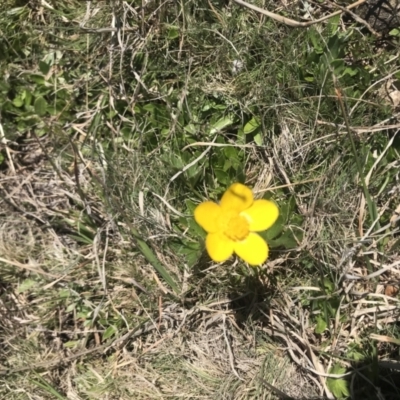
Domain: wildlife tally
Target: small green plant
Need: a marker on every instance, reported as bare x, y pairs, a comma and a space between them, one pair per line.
338, 386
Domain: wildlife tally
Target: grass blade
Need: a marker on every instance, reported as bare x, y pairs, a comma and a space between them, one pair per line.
154, 261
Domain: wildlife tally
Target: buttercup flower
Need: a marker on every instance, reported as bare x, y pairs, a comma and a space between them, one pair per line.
231, 225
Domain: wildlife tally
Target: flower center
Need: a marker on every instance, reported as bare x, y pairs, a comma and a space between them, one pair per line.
234, 226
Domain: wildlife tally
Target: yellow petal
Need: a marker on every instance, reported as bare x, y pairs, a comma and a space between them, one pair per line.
261, 215
219, 247
238, 197
253, 249
206, 215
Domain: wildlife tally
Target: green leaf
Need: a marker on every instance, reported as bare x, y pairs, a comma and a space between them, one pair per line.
191, 251
321, 325
64, 293
333, 24
276, 229
195, 227
339, 387
44, 67
286, 209
287, 240
329, 286
231, 153
222, 176
153, 260
251, 126
350, 71
28, 98
355, 353
71, 307
221, 124
191, 128
335, 47
394, 32
40, 106
315, 40
227, 165
26, 285
110, 331
173, 32
190, 206
258, 139
19, 101
71, 344
39, 79
149, 107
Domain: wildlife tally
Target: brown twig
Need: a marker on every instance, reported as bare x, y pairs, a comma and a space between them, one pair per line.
291, 22
356, 18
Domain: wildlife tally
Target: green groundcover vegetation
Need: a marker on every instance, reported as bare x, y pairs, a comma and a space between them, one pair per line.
117, 118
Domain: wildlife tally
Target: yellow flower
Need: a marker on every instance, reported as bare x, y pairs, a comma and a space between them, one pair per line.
231, 225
